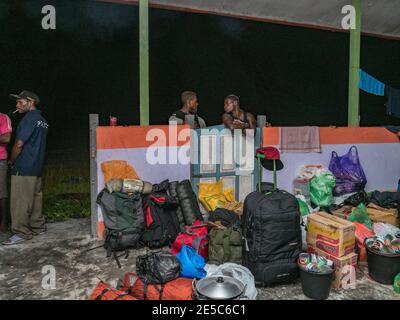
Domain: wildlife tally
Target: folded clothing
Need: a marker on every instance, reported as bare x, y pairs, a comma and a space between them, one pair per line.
300, 139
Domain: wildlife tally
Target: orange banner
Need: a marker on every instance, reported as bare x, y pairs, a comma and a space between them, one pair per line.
342, 135
120, 137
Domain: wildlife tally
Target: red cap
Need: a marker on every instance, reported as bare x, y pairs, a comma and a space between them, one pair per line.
269, 153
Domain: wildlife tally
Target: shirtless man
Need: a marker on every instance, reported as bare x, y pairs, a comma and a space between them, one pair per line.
236, 118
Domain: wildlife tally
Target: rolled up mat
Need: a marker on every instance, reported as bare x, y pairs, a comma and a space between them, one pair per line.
188, 201
172, 191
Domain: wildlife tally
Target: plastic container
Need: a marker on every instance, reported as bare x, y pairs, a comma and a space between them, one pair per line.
382, 267
316, 286
301, 186
113, 121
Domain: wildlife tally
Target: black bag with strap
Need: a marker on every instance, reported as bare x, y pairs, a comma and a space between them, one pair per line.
272, 237
157, 268
162, 224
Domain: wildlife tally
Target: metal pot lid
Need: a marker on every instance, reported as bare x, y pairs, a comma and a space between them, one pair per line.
220, 287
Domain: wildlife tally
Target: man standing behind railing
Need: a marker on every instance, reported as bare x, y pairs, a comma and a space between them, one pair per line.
189, 107
236, 118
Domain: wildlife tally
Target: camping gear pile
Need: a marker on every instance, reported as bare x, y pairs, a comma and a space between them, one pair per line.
344, 223
321, 232
138, 214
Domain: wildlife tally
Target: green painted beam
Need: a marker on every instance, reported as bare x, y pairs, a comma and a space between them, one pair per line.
144, 61
354, 68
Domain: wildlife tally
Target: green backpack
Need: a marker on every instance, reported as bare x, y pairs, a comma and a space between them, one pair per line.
225, 245
123, 220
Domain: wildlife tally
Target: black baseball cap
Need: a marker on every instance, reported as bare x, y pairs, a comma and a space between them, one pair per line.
25, 95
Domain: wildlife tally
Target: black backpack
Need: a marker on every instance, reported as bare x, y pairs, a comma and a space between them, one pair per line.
123, 221
272, 237
162, 224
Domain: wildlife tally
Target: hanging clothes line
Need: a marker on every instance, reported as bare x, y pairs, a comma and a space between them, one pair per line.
371, 85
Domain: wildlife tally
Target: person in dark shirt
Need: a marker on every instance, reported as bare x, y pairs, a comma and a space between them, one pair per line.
26, 164
189, 106
236, 118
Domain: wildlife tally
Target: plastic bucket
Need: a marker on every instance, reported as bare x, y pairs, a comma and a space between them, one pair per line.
382, 267
316, 286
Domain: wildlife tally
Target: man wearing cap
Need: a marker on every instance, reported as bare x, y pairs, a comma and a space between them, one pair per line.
5, 137
26, 164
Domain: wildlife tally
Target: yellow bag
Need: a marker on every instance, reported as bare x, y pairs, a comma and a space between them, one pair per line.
207, 189
229, 194
215, 201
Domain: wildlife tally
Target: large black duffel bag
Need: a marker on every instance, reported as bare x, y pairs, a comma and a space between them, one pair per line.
272, 237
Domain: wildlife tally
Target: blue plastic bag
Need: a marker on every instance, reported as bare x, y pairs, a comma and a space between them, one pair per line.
192, 264
347, 169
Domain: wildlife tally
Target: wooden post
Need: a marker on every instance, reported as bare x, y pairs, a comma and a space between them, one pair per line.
354, 69
93, 124
144, 61
261, 121
189, 119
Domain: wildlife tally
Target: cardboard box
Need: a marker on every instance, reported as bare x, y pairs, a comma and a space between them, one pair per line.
341, 271
343, 212
331, 234
379, 214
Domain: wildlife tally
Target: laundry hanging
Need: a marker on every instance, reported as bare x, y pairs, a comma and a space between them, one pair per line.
393, 102
370, 84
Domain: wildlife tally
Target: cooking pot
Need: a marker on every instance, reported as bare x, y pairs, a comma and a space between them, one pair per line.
218, 287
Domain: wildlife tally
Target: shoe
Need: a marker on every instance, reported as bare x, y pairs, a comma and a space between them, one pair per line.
38, 234
15, 239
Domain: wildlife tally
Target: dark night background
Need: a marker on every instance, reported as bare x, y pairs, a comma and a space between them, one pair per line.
90, 64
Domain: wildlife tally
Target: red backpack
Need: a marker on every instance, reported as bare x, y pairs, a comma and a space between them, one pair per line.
195, 236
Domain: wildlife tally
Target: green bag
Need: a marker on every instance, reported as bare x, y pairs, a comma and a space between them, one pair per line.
225, 245
303, 206
359, 214
321, 188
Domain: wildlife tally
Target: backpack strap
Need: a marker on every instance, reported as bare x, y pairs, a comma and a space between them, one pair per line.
196, 243
145, 289
101, 295
161, 291
226, 245
116, 259
121, 295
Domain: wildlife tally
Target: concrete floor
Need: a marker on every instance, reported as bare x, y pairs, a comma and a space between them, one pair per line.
23, 269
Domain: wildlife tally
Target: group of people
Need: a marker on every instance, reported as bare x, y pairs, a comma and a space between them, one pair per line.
234, 117
26, 164
26, 160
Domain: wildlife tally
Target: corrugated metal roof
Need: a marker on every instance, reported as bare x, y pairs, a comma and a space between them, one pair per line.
379, 17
